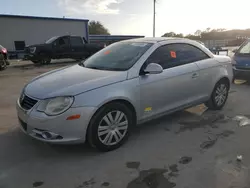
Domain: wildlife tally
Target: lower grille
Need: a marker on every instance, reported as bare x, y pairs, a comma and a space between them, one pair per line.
27, 103
24, 125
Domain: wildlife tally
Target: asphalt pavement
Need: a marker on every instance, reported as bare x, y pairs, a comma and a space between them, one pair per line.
181, 150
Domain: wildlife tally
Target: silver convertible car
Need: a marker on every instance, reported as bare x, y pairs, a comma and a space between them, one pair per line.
99, 100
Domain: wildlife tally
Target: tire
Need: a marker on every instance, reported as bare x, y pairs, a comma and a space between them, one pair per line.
106, 137
45, 61
35, 61
3, 63
219, 95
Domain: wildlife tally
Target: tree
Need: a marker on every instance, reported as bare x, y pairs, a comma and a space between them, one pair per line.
198, 33
172, 34
96, 28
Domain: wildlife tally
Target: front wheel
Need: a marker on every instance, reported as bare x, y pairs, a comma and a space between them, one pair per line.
110, 127
219, 95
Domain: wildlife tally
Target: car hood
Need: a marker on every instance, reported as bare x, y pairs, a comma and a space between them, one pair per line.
71, 81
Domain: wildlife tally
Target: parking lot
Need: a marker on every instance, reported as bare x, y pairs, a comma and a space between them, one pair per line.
187, 149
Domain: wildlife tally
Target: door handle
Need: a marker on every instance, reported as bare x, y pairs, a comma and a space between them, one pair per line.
195, 75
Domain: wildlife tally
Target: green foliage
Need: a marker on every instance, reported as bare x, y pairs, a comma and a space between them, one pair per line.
213, 34
96, 28
172, 34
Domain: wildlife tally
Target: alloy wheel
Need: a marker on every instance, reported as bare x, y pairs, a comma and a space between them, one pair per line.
112, 128
220, 94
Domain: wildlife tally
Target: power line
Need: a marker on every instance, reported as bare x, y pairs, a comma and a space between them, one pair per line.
154, 19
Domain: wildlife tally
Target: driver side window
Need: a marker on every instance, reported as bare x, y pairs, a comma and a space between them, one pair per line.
172, 55
63, 41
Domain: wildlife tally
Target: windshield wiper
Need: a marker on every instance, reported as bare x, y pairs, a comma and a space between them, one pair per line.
105, 68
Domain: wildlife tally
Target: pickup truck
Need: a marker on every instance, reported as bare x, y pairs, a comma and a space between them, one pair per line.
74, 47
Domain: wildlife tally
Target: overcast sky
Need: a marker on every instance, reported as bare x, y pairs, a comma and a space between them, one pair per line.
136, 16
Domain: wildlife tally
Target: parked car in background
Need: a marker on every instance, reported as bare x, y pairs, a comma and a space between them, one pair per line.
129, 82
3, 58
241, 61
74, 47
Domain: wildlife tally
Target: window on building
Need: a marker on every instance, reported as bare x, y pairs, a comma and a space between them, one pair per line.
19, 45
173, 55
75, 41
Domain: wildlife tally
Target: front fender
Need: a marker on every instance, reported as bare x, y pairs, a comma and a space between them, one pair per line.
127, 90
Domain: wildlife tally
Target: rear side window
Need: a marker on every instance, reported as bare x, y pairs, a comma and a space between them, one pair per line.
172, 55
76, 41
245, 48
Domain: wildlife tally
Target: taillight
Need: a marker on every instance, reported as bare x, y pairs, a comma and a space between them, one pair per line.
4, 50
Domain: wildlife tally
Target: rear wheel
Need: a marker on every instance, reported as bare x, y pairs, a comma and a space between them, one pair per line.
110, 127
219, 95
35, 61
45, 61
3, 62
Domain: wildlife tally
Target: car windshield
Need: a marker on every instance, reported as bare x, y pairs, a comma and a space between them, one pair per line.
51, 40
119, 56
245, 48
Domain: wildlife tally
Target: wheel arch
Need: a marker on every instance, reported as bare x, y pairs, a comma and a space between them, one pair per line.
120, 100
226, 79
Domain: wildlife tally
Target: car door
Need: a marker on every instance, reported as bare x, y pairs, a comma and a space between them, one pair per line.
62, 49
77, 47
176, 87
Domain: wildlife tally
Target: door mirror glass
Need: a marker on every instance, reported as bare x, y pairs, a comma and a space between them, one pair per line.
153, 68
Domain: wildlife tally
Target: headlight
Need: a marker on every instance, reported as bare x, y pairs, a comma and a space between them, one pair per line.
55, 106
32, 50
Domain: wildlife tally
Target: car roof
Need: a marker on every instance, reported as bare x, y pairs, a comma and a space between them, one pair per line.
173, 40
159, 39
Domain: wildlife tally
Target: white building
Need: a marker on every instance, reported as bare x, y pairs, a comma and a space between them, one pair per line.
20, 31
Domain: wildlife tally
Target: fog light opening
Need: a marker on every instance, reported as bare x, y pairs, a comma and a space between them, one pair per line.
46, 135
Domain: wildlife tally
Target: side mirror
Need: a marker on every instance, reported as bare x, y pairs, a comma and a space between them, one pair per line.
153, 68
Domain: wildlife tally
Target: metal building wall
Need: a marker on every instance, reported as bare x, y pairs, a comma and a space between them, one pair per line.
35, 30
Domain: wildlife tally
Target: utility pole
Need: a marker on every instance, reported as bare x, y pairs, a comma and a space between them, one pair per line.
154, 20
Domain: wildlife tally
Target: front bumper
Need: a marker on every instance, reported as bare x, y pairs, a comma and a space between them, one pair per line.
30, 57
241, 72
37, 124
